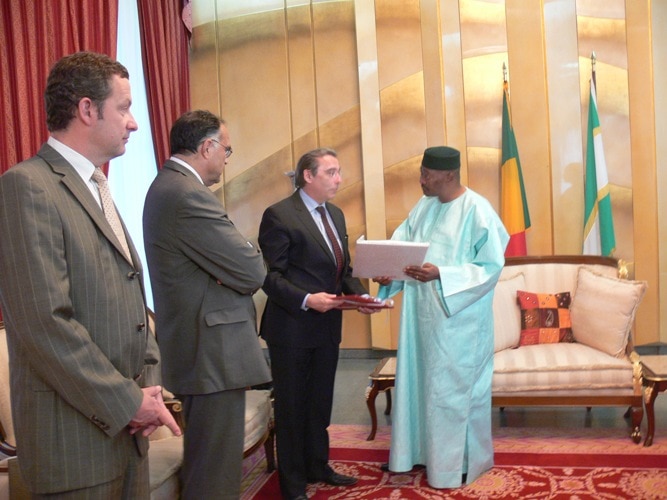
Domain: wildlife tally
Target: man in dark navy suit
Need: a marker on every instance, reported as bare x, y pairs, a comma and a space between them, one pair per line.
304, 242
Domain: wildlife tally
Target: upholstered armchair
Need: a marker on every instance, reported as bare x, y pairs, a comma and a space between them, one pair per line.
166, 450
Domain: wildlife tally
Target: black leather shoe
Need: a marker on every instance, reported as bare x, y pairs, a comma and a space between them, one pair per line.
335, 479
385, 467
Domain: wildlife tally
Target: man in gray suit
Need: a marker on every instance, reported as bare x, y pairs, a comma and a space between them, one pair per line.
73, 301
203, 274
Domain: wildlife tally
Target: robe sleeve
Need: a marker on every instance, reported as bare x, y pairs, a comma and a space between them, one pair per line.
464, 284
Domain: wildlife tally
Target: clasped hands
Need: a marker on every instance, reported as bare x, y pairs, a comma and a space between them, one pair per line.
152, 414
423, 273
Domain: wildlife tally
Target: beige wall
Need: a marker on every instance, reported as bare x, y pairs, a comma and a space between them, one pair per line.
380, 81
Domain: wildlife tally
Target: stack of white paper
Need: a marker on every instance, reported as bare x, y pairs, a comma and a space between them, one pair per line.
387, 258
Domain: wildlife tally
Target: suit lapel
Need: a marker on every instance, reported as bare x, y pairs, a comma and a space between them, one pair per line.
72, 180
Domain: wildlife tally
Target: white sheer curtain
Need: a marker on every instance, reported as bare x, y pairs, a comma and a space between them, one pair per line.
131, 175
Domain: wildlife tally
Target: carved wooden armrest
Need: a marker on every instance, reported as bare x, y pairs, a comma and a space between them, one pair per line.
175, 407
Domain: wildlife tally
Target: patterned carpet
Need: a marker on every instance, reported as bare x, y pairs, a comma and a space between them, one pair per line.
532, 463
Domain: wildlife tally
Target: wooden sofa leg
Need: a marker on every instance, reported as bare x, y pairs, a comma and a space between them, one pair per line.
637, 414
387, 410
628, 413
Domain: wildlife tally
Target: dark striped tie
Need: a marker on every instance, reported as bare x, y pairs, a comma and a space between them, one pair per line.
338, 252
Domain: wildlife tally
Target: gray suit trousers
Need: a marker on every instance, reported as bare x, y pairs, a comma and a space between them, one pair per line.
213, 445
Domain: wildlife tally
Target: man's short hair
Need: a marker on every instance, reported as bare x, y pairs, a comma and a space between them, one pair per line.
191, 129
74, 77
310, 161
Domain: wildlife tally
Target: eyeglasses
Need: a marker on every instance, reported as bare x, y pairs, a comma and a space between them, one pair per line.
228, 149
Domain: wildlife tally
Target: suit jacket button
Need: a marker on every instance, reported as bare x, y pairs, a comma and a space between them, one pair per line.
141, 327
100, 424
131, 275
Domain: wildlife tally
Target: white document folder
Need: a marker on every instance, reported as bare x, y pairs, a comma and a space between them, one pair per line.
387, 258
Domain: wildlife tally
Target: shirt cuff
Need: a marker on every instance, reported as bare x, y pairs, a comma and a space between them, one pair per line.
304, 307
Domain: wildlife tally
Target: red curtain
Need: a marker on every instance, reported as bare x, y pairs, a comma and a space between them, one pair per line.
33, 36
164, 50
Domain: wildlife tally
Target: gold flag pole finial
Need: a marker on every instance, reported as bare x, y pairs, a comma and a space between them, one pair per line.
504, 73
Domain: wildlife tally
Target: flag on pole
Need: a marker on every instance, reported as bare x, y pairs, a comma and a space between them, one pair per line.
599, 236
513, 203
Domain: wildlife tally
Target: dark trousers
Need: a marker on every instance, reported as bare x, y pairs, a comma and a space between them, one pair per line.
303, 382
213, 445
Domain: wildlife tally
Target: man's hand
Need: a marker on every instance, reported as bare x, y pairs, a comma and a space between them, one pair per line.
323, 301
383, 280
152, 414
427, 272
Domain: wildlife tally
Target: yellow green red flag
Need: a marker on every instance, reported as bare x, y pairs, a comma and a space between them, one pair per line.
513, 204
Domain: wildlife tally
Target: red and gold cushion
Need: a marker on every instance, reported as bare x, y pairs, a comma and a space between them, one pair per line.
545, 318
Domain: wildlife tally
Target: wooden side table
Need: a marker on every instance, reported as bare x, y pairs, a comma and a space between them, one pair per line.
382, 378
654, 380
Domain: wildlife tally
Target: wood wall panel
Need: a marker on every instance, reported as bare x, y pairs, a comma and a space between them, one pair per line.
371, 151
659, 48
565, 132
380, 81
301, 75
644, 173
527, 69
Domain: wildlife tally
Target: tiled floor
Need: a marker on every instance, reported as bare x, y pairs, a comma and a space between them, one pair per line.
350, 406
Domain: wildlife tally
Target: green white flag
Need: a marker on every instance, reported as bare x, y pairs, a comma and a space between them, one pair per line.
599, 236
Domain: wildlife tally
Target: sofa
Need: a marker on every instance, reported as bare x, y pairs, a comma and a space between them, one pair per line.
563, 335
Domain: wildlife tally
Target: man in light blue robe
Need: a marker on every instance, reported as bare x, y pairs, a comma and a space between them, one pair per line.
442, 416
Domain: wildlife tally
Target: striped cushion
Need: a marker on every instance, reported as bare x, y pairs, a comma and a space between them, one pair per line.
555, 367
603, 311
257, 416
165, 457
506, 314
